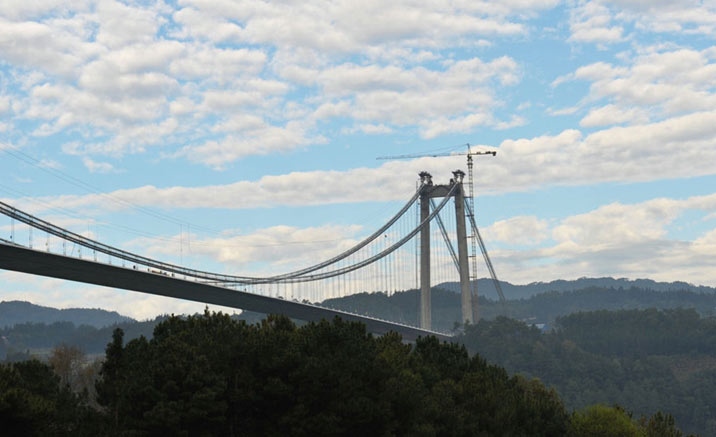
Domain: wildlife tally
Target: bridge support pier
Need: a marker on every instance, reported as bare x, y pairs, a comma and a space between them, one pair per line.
425, 302
463, 265
430, 191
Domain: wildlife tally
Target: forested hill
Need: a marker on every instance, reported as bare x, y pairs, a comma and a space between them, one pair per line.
16, 312
213, 375
541, 308
28, 326
486, 287
643, 360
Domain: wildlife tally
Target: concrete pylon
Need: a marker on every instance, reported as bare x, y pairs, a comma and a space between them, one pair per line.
425, 302
431, 191
462, 257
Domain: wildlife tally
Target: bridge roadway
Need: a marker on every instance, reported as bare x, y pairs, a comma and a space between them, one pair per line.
22, 259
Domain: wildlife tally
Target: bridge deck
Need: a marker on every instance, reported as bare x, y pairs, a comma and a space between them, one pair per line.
21, 259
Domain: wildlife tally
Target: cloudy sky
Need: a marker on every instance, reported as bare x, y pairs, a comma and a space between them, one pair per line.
222, 132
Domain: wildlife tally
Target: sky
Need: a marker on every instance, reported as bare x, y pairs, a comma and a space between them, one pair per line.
244, 135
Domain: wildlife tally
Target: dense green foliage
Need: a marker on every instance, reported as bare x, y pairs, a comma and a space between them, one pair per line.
403, 307
640, 332
34, 403
541, 308
600, 420
645, 360
216, 375
547, 307
42, 336
23, 330
211, 374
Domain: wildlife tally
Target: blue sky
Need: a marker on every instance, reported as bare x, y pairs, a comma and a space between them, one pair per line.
186, 130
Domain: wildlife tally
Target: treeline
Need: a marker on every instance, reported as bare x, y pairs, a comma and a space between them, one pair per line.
637, 333
15, 312
213, 375
20, 341
543, 308
403, 307
645, 360
547, 307
486, 286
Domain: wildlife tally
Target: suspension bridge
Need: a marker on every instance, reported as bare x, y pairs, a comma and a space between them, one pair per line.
398, 256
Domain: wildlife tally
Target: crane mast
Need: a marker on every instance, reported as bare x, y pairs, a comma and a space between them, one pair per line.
473, 250
475, 237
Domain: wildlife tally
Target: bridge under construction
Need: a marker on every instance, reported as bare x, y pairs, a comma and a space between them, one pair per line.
397, 256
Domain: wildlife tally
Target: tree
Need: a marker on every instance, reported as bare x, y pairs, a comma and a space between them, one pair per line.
32, 402
67, 362
661, 425
603, 421
111, 386
214, 375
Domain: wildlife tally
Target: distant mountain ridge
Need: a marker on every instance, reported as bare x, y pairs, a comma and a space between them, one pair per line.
16, 312
538, 303
486, 288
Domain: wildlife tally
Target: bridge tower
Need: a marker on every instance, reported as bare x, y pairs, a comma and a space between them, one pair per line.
428, 192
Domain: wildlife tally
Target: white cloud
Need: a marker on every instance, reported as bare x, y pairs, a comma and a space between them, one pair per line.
563, 111
370, 129
282, 247
619, 240
668, 83
44, 46
119, 75
461, 124
612, 114
522, 230
121, 24
686, 17
705, 245
144, 57
617, 224
454, 100
97, 167
677, 148
612, 21
350, 27
102, 79
663, 99
252, 137
4, 104
254, 93
218, 65
202, 25
38, 8
591, 22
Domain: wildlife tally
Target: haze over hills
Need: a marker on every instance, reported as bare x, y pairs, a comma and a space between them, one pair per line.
486, 287
538, 303
15, 312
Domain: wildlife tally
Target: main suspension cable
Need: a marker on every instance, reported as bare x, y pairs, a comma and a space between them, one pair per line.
16, 214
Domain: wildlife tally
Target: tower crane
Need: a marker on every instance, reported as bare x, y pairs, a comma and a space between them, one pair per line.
470, 213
